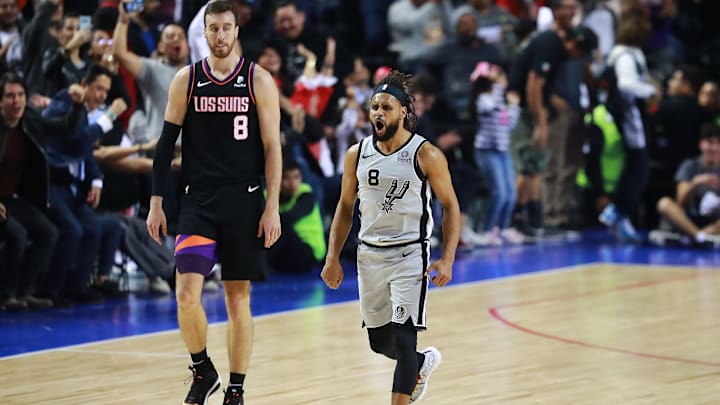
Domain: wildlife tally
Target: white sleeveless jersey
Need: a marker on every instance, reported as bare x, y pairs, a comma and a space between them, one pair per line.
395, 197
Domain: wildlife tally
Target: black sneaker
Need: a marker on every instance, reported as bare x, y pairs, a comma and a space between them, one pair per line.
205, 381
233, 396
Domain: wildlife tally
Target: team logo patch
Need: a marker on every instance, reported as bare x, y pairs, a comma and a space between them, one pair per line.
400, 314
393, 194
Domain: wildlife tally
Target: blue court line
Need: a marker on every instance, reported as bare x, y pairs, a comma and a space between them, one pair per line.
24, 332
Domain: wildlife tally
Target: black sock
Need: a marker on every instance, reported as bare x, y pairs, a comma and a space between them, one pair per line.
421, 360
237, 380
199, 358
520, 216
535, 214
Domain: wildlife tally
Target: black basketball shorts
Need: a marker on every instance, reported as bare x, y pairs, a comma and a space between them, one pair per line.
229, 215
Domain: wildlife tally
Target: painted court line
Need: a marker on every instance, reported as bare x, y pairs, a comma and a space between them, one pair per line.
532, 274
119, 353
495, 313
539, 273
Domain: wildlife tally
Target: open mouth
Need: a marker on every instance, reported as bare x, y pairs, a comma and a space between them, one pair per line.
379, 126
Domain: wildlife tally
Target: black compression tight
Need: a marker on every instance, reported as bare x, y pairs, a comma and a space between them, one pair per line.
399, 342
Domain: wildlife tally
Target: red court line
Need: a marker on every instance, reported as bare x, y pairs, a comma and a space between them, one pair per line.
600, 292
495, 313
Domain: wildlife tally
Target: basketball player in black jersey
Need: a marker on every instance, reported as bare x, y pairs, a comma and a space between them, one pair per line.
228, 110
393, 257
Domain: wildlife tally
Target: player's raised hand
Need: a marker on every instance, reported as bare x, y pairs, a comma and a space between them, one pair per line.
443, 272
270, 227
332, 274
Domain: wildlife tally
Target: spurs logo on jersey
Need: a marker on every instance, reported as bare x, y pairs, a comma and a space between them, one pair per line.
394, 195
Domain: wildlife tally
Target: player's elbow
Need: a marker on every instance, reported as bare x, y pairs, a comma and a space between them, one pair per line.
451, 207
345, 207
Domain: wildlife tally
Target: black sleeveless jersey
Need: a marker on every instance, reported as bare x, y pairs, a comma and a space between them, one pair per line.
221, 141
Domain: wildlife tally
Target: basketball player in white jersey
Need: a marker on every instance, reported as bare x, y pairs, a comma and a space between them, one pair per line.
391, 174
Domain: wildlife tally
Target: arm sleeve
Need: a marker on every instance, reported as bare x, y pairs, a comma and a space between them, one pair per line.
628, 79
93, 171
163, 156
64, 122
485, 103
145, 78
544, 60
513, 115
52, 61
684, 172
32, 39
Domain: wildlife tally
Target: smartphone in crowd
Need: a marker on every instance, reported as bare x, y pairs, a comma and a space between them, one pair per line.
85, 23
134, 6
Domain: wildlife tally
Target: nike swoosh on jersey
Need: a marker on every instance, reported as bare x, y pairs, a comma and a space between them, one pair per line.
202, 84
367, 156
252, 188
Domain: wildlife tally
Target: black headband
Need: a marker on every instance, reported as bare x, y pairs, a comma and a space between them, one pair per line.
394, 91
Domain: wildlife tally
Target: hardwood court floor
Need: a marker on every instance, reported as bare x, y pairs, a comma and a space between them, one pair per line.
590, 334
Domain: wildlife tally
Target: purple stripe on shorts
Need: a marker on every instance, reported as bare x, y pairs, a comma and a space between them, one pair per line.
194, 264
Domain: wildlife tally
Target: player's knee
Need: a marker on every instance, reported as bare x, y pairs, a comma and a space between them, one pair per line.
186, 298
406, 339
382, 341
238, 303
237, 290
384, 347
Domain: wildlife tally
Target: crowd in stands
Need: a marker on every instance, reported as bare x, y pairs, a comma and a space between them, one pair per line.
553, 115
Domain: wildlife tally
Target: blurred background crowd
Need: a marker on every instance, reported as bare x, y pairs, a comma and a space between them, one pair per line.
555, 115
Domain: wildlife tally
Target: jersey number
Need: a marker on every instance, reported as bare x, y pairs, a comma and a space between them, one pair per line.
374, 177
240, 127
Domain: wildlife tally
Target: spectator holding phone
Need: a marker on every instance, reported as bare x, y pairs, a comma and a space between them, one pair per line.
65, 65
153, 75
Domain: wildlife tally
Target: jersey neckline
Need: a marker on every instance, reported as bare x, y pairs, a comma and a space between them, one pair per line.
208, 72
373, 141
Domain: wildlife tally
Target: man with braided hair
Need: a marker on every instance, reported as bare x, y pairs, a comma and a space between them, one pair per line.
391, 174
